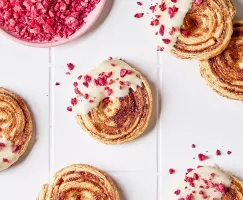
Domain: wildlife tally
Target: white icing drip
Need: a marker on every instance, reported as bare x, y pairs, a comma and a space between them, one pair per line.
204, 173
6, 153
177, 21
98, 93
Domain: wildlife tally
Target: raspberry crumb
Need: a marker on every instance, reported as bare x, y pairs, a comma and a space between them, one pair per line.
70, 66
189, 170
202, 157
177, 192
2, 144
57, 83
68, 73
229, 152
166, 41
220, 187
113, 65
15, 149
138, 15
193, 146
75, 84
5, 160
218, 153
171, 171
69, 108
139, 3
195, 176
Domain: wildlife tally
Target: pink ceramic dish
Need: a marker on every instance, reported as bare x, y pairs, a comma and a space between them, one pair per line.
89, 21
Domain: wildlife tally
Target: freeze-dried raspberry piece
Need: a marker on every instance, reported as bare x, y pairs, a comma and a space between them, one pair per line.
171, 171
138, 15
202, 157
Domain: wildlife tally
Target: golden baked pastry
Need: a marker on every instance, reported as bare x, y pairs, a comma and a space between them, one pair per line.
224, 73
209, 27
79, 182
209, 183
193, 29
15, 128
113, 102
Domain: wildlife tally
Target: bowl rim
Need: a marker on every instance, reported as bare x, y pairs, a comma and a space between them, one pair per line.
93, 15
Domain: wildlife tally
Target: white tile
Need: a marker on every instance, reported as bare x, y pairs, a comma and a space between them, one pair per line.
117, 33
72, 145
29, 79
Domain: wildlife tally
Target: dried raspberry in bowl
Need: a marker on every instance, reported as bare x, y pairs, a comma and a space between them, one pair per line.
42, 21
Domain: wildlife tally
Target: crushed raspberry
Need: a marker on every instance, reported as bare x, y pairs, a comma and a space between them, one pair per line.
108, 90
106, 100
220, 187
202, 157
77, 91
152, 8
86, 84
91, 101
162, 30
69, 108
160, 48
138, 15
75, 84
87, 78
68, 73
70, 66
229, 152
198, 1
188, 179
139, 3
172, 11
74, 101
181, 199
15, 149
2, 144
125, 72
177, 192
79, 77
193, 146
166, 41
199, 166
110, 58
113, 65
162, 6
109, 74
86, 96
185, 33
172, 31
174, 1
201, 192
212, 175
44, 20
5, 160
111, 81
195, 176
218, 153
57, 83
189, 197
171, 171
154, 22
189, 170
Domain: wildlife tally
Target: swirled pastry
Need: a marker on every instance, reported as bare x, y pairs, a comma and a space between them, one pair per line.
198, 29
224, 73
209, 183
79, 182
113, 102
15, 128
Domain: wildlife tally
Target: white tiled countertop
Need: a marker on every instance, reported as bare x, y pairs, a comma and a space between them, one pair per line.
185, 111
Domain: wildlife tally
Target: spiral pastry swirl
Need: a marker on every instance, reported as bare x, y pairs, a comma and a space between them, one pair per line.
224, 73
79, 182
207, 30
124, 114
15, 128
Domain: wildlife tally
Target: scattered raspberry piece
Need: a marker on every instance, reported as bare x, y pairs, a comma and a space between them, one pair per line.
152, 8
2, 144
185, 33
229, 152
70, 66
69, 108
74, 101
172, 31
154, 22
166, 41
110, 58
189, 197
109, 74
86, 84
171, 171
111, 81
57, 83
5, 160
189, 170
107, 100
15, 149
113, 65
162, 30
220, 187
139, 15
195, 176
193, 146
198, 1
162, 6
124, 72
139, 3
68, 73
91, 101
79, 77
199, 166
174, 1
202, 157
75, 84
177, 192
86, 96
87, 78
218, 153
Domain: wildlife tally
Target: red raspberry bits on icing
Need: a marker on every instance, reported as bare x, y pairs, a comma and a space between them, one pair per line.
74, 101
229, 152
174, 1
152, 8
2, 144
195, 176
113, 65
125, 72
69, 108
162, 6
86, 96
86, 84
15, 149
185, 33
44, 20
87, 78
139, 3
189, 197
75, 84
177, 192
70, 66
57, 83
5, 160
138, 15
172, 11
166, 41
202, 157
171, 171
218, 153
221, 188
189, 170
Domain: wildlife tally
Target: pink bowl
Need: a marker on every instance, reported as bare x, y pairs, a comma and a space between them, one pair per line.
89, 21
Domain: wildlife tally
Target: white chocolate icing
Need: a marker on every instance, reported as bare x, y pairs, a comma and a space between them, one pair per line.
219, 177
6, 153
164, 19
98, 93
